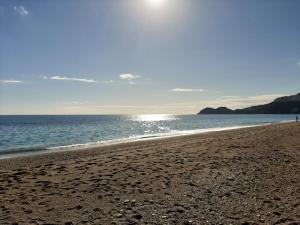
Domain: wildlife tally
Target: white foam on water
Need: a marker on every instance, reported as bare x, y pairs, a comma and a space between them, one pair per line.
171, 133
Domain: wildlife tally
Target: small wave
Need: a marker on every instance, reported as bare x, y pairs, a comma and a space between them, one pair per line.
22, 150
172, 133
153, 136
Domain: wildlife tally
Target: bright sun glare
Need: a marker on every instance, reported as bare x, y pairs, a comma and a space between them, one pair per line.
156, 3
152, 117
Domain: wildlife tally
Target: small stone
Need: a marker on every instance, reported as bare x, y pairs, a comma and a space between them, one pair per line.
118, 215
180, 161
68, 223
180, 210
138, 216
78, 207
277, 213
230, 178
246, 223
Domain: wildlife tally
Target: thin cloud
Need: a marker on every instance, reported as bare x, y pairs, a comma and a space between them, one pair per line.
72, 103
129, 77
298, 64
71, 79
11, 81
229, 96
21, 10
186, 90
108, 82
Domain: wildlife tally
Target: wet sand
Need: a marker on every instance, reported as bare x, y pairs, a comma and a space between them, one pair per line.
244, 176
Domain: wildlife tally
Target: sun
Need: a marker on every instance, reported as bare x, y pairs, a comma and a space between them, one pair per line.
155, 3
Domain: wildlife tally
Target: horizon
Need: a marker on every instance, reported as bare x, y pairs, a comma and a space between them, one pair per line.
122, 114
146, 56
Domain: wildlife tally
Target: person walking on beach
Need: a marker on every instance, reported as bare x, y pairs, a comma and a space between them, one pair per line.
296, 118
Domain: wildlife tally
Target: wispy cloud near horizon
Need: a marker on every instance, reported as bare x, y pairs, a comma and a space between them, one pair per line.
71, 79
11, 81
186, 90
21, 10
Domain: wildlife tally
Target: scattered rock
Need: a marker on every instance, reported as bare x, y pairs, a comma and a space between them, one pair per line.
118, 215
68, 223
78, 207
138, 216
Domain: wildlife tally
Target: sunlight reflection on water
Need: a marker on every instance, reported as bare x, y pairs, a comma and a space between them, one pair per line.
153, 117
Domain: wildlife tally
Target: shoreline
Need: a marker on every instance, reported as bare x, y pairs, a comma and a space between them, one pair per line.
242, 176
14, 153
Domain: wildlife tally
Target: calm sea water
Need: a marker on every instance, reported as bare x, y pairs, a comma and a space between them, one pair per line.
45, 133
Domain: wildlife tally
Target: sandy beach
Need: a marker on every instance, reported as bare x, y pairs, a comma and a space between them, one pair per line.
244, 176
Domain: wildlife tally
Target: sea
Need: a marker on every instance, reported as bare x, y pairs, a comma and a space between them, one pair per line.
27, 135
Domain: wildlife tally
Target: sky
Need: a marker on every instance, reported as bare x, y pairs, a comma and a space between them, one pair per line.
146, 56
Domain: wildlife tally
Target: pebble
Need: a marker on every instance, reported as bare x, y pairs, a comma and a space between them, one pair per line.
118, 215
68, 223
138, 216
230, 178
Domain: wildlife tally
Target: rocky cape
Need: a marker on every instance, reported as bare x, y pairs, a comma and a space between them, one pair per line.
282, 105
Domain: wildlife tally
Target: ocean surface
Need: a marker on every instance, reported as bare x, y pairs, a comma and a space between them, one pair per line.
33, 134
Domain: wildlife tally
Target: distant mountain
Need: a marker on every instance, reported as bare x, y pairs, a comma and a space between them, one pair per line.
282, 105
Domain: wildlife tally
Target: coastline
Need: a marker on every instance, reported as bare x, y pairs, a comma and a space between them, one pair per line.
247, 175
86, 146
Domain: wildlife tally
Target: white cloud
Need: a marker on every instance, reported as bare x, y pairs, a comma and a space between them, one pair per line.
10, 81
186, 90
21, 10
129, 77
71, 79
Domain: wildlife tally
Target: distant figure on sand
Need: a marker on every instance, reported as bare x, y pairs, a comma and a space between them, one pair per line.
296, 118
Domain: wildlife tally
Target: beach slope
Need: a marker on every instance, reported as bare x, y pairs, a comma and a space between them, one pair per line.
244, 176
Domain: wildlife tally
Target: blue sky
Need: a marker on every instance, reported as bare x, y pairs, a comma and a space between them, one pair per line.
146, 56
